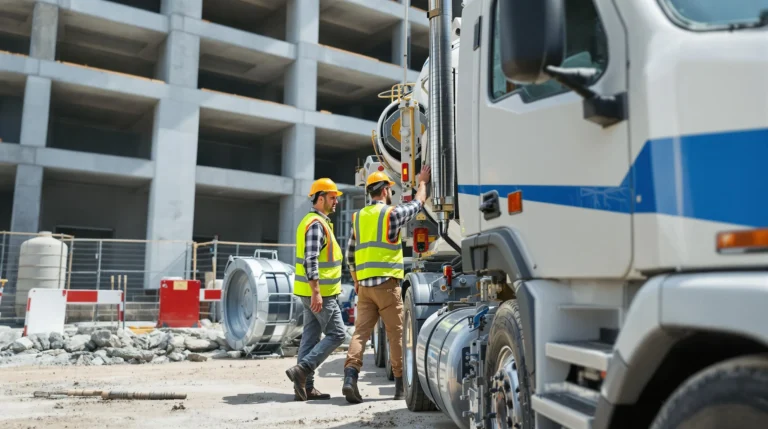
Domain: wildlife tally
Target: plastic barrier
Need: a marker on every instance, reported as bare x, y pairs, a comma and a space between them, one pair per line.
46, 308
180, 303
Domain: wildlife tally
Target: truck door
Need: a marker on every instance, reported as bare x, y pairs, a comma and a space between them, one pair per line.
573, 173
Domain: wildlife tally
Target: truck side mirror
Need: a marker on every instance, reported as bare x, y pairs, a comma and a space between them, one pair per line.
531, 38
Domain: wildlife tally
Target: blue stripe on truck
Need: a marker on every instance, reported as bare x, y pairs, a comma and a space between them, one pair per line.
720, 177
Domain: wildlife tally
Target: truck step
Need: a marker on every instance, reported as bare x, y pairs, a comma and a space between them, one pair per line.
590, 354
567, 404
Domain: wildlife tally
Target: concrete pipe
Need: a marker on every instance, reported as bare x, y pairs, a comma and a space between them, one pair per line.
260, 314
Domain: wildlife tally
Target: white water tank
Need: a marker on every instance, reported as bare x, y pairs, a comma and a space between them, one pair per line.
42, 264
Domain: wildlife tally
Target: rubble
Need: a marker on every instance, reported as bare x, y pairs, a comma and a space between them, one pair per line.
109, 345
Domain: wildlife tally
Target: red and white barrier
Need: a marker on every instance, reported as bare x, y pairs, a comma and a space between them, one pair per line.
46, 308
210, 295
180, 303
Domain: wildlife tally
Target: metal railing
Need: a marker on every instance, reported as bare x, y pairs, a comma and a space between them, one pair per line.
135, 266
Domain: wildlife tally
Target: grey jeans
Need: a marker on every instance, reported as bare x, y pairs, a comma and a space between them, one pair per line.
313, 351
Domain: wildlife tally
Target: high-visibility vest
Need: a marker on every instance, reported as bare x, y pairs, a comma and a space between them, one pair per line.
375, 255
329, 260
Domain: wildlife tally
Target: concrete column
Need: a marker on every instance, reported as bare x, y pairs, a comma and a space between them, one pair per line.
180, 54
298, 163
190, 8
397, 39
397, 44
302, 28
25, 218
172, 193
45, 24
37, 107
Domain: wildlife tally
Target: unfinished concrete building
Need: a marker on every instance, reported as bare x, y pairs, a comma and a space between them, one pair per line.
189, 119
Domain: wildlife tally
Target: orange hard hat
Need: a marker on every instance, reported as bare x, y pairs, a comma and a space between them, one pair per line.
376, 177
324, 185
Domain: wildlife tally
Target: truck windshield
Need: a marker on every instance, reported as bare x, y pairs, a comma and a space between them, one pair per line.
711, 14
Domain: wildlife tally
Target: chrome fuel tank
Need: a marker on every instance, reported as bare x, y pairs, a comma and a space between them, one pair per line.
441, 347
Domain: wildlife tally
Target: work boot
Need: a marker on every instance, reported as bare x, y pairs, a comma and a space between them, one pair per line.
350, 386
298, 375
313, 393
399, 388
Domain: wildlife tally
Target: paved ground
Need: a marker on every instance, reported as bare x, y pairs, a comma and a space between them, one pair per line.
220, 394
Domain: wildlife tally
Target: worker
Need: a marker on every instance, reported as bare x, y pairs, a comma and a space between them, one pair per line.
318, 284
375, 259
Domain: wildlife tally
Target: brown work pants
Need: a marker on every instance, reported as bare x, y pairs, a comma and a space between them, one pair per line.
373, 302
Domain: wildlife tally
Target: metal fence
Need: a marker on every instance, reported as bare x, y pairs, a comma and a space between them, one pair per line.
136, 266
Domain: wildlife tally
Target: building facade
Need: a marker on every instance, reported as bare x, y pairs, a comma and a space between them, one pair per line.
189, 119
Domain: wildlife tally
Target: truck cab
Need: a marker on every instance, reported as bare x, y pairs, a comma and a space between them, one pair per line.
610, 171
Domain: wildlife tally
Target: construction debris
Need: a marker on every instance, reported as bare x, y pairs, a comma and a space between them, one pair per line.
110, 345
109, 394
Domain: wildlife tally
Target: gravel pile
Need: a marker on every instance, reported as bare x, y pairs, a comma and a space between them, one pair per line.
109, 345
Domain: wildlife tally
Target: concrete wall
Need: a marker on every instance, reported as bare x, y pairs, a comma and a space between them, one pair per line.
246, 220
101, 138
98, 206
10, 118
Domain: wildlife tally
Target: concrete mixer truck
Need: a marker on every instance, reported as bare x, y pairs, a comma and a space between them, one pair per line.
594, 251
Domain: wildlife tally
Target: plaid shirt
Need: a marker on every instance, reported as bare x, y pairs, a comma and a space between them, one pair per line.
314, 240
398, 218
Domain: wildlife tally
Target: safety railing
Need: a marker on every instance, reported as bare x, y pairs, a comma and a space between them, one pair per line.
135, 266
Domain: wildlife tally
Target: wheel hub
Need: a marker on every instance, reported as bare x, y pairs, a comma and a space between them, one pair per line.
505, 393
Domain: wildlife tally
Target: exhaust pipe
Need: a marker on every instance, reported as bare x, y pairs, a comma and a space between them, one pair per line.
441, 121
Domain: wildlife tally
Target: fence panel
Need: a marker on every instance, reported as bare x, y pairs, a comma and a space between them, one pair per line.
135, 266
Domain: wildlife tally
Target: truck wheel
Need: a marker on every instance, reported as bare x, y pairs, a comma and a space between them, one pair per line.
415, 398
506, 370
732, 393
388, 368
380, 341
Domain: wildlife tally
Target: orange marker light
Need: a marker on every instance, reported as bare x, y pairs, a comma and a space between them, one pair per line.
405, 172
515, 202
752, 240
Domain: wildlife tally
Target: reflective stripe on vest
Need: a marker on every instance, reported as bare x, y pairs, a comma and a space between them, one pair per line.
375, 255
329, 260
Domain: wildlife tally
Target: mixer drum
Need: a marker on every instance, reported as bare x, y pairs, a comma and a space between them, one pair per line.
259, 311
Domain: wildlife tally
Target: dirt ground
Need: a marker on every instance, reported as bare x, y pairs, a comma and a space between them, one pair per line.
221, 394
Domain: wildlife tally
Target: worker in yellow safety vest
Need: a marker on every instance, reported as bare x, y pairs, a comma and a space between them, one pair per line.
375, 260
318, 284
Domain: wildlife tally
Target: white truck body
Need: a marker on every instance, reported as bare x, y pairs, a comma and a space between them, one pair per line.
612, 299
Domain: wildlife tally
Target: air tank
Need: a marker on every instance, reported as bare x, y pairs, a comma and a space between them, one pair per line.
42, 264
443, 341
260, 314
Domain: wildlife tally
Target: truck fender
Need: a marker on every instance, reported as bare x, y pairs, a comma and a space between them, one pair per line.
662, 314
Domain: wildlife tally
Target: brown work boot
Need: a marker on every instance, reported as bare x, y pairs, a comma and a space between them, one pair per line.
399, 394
313, 393
298, 375
350, 386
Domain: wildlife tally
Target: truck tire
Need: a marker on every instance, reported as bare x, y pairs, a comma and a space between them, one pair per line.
379, 344
415, 398
388, 366
732, 393
505, 351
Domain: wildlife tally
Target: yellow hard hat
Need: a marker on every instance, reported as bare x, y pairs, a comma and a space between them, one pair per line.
376, 177
324, 185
